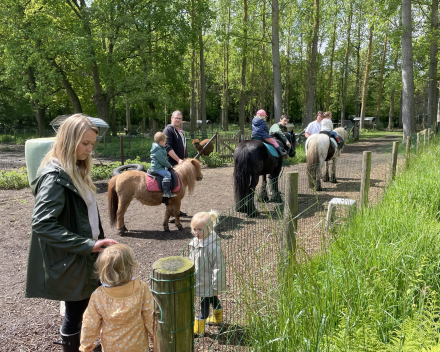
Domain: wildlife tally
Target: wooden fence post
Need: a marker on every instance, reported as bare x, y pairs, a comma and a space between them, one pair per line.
408, 149
429, 136
121, 143
217, 144
290, 224
394, 159
418, 144
365, 179
172, 283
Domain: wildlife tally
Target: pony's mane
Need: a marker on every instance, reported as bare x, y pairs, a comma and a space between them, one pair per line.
188, 172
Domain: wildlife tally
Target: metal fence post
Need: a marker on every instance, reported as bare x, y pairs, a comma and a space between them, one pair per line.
394, 159
290, 224
365, 178
172, 283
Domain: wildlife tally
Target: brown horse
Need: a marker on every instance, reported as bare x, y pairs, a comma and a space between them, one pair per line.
131, 184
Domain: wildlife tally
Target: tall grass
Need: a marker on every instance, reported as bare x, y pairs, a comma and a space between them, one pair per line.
375, 288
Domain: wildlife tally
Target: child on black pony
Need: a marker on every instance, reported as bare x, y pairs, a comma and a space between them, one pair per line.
260, 129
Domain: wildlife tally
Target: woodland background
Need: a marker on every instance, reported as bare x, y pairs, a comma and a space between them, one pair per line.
132, 62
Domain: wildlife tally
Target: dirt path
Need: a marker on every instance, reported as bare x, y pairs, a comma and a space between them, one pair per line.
33, 324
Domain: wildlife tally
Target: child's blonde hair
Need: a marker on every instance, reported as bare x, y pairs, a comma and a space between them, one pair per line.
63, 152
116, 265
159, 137
208, 218
327, 115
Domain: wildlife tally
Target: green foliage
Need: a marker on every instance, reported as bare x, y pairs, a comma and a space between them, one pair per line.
212, 160
103, 172
374, 288
14, 179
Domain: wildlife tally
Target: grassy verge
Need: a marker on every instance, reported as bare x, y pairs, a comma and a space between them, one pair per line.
377, 286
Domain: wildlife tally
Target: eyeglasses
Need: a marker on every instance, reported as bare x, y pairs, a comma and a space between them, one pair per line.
177, 118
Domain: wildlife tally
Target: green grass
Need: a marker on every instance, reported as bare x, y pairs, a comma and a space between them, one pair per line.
376, 287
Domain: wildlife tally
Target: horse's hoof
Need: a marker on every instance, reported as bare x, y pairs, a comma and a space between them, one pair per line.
172, 221
125, 228
180, 227
166, 229
121, 233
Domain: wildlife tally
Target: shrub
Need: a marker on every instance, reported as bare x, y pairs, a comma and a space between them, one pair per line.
14, 179
212, 160
103, 172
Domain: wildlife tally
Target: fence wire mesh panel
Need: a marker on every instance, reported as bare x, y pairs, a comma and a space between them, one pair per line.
250, 247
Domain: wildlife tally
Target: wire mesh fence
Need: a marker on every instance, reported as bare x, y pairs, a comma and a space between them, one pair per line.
252, 244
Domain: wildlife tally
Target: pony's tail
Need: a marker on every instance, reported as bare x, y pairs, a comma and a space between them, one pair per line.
112, 200
241, 174
312, 162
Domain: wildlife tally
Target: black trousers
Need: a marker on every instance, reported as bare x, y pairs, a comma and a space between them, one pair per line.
73, 318
204, 306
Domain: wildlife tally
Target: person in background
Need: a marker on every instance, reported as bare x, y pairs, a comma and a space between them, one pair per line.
279, 129
121, 310
260, 131
160, 163
210, 278
66, 229
175, 144
315, 126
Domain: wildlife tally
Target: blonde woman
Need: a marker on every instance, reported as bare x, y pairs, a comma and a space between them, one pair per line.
209, 266
66, 229
121, 310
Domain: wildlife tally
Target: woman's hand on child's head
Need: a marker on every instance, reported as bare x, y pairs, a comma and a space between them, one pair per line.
101, 244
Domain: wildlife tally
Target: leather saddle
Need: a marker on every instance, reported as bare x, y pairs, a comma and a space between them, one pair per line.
333, 147
156, 177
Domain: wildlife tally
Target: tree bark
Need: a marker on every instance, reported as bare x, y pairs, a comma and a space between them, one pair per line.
366, 77
276, 64
243, 68
408, 117
192, 113
391, 114
225, 97
35, 103
202, 85
358, 78
127, 114
263, 50
382, 69
347, 53
329, 87
432, 95
314, 54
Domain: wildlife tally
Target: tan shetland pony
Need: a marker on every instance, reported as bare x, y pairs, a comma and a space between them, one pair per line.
132, 184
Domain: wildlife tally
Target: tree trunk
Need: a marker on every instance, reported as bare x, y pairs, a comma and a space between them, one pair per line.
192, 113
382, 69
391, 114
202, 85
251, 93
276, 64
358, 78
287, 79
263, 49
407, 72
113, 120
327, 105
347, 52
35, 103
127, 114
400, 110
311, 85
225, 96
432, 98
366, 77
243, 68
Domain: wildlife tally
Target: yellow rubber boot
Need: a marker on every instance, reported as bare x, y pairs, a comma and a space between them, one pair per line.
199, 326
217, 317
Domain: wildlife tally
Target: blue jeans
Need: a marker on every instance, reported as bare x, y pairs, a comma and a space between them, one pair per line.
164, 173
333, 133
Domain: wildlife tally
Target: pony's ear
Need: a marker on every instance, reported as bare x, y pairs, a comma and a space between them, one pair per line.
195, 162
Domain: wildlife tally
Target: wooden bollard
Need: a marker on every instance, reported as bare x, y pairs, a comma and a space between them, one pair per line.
394, 159
172, 283
418, 144
290, 214
365, 178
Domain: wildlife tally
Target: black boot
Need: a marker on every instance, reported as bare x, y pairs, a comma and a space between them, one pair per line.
340, 143
166, 187
281, 151
70, 343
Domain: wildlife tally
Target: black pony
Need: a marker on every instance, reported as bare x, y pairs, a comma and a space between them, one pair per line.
252, 159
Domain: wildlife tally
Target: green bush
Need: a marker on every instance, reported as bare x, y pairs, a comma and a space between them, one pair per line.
103, 172
14, 179
212, 160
